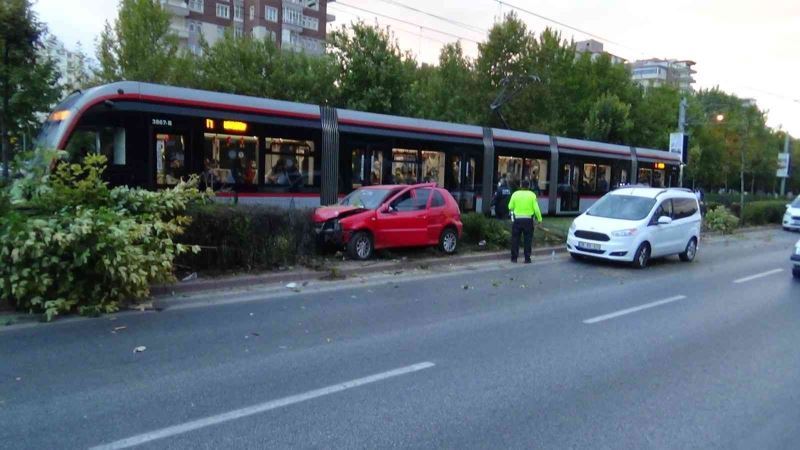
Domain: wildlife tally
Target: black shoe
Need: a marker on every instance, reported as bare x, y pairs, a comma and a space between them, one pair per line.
528, 261
514, 260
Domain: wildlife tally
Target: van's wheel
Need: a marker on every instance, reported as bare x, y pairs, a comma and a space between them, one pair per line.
360, 246
690, 252
642, 256
448, 241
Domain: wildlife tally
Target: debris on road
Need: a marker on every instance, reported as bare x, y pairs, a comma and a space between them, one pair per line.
291, 285
139, 349
190, 277
114, 331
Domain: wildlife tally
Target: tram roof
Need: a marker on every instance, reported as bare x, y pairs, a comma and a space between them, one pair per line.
216, 100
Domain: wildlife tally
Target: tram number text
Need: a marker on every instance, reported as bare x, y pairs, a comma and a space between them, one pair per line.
162, 122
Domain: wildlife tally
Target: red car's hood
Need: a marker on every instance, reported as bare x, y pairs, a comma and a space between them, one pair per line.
326, 213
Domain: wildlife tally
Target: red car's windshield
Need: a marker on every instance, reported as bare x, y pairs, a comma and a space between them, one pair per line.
367, 198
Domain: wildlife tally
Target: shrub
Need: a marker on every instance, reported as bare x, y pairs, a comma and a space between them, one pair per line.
247, 237
478, 227
721, 220
69, 243
764, 212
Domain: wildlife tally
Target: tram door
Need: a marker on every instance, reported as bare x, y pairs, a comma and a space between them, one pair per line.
569, 187
171, 155
460, 179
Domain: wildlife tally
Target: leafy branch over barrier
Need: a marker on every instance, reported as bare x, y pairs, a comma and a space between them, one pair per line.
69, 243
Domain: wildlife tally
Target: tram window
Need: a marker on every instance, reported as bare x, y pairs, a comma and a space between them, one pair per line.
603, 178
107, 141
405, 165
589, 178
469, 182
455, 172
658, 178
358, 163
367, 168
511, 167
433, 167
645, 176
536, 171
289, 163
170, 159
230, 159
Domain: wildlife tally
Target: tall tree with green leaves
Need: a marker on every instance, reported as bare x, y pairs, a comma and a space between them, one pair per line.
373, 74
505, 57
447, 91
609, 120
28, 82
139, 46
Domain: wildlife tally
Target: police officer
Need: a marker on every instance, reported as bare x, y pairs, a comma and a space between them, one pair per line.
500, 199
524, 210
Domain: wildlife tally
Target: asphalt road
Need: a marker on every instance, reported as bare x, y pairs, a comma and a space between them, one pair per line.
558, 354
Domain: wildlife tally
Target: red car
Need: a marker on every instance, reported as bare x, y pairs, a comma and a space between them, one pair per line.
376, 217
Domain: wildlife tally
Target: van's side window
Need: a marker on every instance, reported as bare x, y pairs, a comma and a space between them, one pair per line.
664, 209
683, 208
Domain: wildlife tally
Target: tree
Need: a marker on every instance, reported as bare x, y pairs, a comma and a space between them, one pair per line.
447, 91
374, 75
506, 55
27, 80
140, 46
609, 120
654, 116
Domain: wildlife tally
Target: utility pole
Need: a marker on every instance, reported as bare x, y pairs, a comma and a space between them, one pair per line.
741, 168
783, 179
682, 130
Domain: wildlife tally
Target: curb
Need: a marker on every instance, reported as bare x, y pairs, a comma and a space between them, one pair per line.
300, 275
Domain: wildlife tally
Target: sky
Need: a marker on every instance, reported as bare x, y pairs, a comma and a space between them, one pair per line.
747, 47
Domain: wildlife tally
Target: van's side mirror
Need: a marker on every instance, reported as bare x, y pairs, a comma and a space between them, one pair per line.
664, 220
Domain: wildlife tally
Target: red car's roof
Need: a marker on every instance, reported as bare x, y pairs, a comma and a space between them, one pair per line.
400, 186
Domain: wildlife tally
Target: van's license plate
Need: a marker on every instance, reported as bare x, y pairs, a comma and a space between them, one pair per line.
588, 245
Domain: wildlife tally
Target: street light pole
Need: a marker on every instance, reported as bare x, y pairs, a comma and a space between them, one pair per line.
741, 168
682, 130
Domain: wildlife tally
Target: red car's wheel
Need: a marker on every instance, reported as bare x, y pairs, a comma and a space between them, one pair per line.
448, 241
360, 246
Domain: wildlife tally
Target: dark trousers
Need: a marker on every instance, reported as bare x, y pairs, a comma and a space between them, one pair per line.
524, 227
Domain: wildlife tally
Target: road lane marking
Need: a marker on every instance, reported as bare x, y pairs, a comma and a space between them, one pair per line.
633, 310
758, 275
260, 408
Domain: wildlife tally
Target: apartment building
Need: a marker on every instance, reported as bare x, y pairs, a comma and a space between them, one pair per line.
595, 49
293, 24
656, 72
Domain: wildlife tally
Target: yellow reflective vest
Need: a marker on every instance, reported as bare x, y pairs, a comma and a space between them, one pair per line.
523, 204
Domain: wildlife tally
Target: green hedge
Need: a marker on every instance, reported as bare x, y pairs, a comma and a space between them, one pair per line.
729, 199
247, 237
478, 227
764, 212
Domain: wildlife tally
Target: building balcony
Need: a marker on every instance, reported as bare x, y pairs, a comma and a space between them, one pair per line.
176, 7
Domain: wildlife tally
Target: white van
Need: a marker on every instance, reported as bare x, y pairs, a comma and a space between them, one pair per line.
635, 224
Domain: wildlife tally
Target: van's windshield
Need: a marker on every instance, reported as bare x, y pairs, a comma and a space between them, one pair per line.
625, 207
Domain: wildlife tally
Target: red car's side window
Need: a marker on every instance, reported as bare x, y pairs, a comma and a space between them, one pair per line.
438, 200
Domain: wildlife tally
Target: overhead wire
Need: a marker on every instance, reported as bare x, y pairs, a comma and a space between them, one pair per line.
415, 32
407, 22
457, 23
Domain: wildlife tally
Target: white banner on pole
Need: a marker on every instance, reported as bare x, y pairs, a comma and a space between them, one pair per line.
783, 166
676, 144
